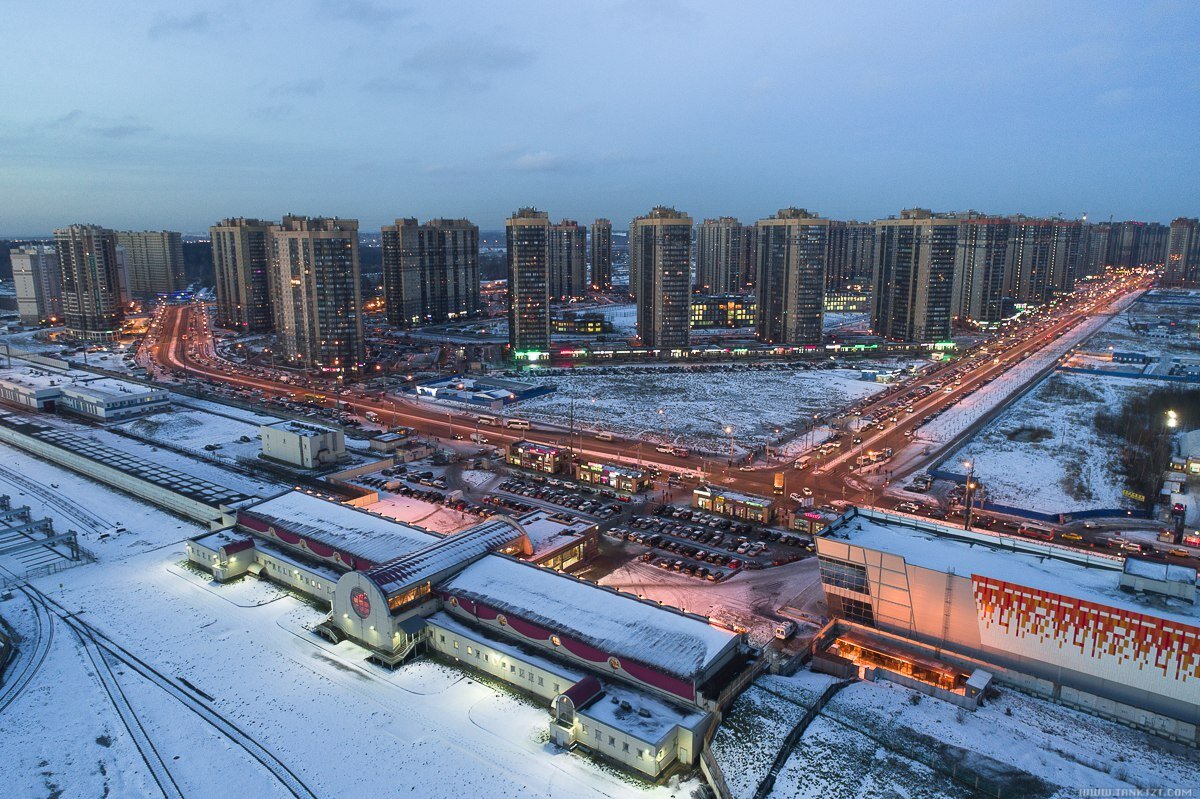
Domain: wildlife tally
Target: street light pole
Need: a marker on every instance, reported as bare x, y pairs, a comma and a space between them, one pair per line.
729, 431
969, 495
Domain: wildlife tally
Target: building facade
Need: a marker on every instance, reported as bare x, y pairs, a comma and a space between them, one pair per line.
528, 237
982, 260
913, 277
601, 255
37, 279
793, 252
430, 271
242, 266
153, 261
317, 292
568, 260
660, 247
718, 256
723, 310
1183, 253
91, 283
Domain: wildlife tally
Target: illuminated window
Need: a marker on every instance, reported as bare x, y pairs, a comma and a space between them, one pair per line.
360, 603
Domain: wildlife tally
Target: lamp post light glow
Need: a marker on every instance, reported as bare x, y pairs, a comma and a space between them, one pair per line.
1172, 419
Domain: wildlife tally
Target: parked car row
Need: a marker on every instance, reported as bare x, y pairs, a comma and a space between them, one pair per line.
559, 493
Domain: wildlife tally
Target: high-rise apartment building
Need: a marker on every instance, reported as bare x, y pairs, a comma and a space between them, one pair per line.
528, 236
242, 265
747, 258
1183, 253
660, 248
317, 294
793, 255
914, 275
568, 260
91, 291
37, 279
718, 254
981, 260
430, 271
1135, 244
1093, 249
153, 261
1043, 258
601, 255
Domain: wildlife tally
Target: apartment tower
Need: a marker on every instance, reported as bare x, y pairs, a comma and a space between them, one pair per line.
91, 284
660, 248
718, 253
913, 275
317, 293
601, 255
568, 260
793, 253
430, 271
242, 265
153, 261
528, 237
1183, 253
37, 279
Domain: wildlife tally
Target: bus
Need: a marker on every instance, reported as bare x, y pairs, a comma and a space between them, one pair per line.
602, 436
1035, 530
516, 424
485, 420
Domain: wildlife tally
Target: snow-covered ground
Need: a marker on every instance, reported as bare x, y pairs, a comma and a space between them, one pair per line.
968, 410
319, 708
696, 405
193, 430
1045, 454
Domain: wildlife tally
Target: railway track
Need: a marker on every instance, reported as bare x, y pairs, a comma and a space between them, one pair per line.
43, 638
186, 696
51, 497
129, 720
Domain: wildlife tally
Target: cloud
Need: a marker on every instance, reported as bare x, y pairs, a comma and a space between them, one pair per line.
108, 128
452, 65
305, 87
172, 25
542, 161
360, 12
121, 130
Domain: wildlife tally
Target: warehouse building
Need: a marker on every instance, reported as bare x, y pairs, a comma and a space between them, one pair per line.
303, 444
1084, 628
625, 678
49, 389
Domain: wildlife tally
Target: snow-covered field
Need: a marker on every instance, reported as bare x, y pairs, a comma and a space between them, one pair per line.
1044, 453
696, 405
193, 430
968, 410
333, 719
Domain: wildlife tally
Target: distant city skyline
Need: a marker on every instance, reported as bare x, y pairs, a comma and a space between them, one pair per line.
178, 116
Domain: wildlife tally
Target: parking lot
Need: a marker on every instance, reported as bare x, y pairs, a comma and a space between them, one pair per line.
706, 546
561, 493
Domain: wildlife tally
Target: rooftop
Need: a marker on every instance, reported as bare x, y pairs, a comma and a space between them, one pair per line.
549, 530
619, 624
1011, 559
348, 529
443, 555
42, 378
307, 429
728, 493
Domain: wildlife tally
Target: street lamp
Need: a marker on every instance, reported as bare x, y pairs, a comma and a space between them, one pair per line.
729, 432
1172, 419
969, 495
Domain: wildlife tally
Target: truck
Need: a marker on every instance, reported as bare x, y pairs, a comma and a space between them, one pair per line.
479, 438
777, 490
371, 417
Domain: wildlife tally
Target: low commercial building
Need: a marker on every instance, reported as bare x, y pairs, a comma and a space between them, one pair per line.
581, 323
734, 504
847, 302
628, 679
538, 457
490, 392
1083, 627
49, 389
610, 475
303, 444
723, 310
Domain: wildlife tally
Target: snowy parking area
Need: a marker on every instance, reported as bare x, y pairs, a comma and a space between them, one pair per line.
207, 434
697, 404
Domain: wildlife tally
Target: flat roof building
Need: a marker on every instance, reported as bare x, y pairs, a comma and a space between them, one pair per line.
43, 388
303, 444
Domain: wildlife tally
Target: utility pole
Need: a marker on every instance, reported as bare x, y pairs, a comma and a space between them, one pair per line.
969, 494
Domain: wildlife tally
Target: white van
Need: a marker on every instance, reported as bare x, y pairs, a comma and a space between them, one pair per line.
516, 424
604, 436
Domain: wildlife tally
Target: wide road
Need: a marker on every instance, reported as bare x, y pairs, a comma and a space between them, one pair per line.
180, 341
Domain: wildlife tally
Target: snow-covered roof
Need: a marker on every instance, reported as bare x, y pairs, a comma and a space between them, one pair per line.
365, 535
548, 530
1155, 570
443, 555
616, 623
642, 716
1011, 559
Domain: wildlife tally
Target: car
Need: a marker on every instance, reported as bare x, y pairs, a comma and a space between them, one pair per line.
745, 467
1071, 536
1179, 552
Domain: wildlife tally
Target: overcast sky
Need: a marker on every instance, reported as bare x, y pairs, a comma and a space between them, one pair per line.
173, 115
